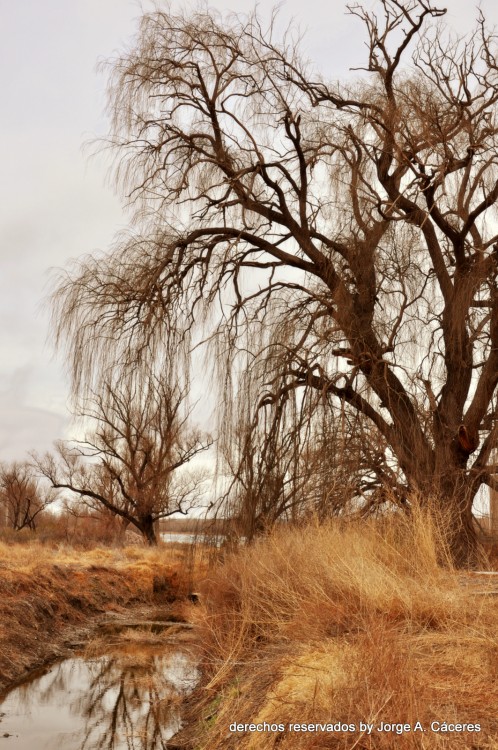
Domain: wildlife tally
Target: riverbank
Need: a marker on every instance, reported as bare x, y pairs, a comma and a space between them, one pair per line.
123, 688
344, 637
49, 598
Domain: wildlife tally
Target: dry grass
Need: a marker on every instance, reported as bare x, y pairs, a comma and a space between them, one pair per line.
44, 590
347, 624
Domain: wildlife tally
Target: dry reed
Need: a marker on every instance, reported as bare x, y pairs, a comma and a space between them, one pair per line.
347, 623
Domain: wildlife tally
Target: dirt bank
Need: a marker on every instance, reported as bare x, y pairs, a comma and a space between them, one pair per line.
50, 598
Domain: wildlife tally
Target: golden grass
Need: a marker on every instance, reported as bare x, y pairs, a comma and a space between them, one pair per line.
347, 623
29, 557
44, 590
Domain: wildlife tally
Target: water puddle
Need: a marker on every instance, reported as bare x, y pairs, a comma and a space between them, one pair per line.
127, 697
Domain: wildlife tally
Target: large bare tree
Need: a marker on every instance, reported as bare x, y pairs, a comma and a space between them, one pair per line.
357, 219
134, 459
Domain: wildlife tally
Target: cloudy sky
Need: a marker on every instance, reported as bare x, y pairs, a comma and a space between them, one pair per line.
54, 203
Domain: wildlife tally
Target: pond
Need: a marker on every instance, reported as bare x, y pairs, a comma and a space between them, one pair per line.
215, 540
126, 698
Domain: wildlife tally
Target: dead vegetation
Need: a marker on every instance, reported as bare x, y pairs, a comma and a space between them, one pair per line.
354, 623
334, 239
46, 593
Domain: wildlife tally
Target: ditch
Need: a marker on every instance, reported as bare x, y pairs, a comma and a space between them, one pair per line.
122, 690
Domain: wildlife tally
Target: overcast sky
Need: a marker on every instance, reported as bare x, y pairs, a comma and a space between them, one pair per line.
54, 204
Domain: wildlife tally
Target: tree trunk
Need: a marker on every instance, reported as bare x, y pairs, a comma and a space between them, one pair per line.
446, 491
452, 500
148, 530
123, 524
460, 535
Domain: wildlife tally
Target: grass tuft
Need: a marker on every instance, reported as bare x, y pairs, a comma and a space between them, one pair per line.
347, 623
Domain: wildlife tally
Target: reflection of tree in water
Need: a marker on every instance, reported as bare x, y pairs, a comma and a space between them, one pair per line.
125, 700
132, 701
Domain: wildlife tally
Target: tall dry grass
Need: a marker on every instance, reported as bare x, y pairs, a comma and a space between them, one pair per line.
347, 623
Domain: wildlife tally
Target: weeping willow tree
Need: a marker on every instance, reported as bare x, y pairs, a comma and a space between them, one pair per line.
294, 454
361, 214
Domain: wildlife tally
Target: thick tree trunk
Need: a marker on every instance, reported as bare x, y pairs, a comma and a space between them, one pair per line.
447, 492
452, 504
148, 530
460, 534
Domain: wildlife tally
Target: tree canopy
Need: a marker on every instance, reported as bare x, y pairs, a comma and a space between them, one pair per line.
23, 498
134, 459
355, 221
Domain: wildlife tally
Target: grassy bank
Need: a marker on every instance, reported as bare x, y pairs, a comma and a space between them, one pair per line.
349, 625
47, 594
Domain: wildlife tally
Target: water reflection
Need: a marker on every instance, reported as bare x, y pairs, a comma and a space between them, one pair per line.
127, 700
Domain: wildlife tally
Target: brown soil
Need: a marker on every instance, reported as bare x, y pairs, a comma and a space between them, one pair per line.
51, 601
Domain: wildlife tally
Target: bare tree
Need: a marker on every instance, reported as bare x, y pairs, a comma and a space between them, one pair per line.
356, 218
22, 496
295, 457
134, 459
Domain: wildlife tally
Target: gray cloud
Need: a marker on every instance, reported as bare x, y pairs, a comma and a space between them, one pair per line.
23, 424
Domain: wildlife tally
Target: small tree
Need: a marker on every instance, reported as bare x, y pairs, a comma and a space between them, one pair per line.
22, 496
133, 460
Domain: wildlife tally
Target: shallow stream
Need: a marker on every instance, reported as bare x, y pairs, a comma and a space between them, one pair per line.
123, 693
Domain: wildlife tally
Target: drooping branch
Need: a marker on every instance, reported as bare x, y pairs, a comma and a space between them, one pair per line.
350, 218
